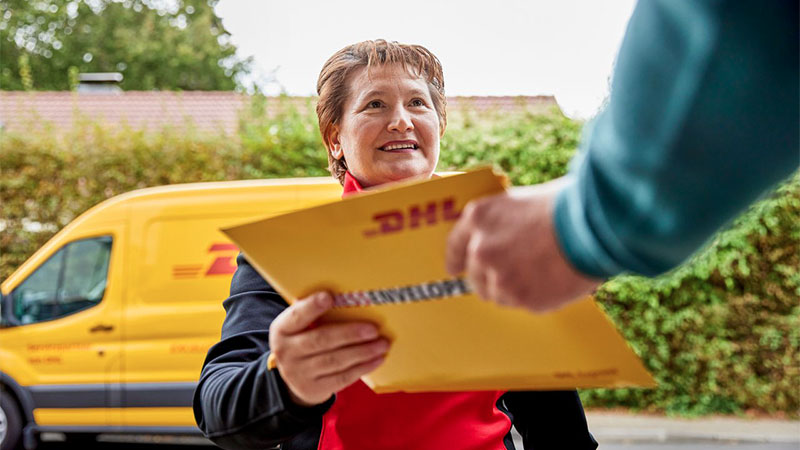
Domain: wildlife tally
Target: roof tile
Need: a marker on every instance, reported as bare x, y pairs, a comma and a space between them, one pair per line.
208, 111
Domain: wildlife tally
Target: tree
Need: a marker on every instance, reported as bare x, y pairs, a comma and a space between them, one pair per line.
155, 44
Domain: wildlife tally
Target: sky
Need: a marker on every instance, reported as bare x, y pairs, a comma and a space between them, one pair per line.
564, 48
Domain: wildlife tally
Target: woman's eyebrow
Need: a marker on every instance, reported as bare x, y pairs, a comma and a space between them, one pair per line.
373, 93
417, 93
381, 93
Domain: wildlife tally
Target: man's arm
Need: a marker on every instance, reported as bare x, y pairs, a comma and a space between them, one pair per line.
703, 118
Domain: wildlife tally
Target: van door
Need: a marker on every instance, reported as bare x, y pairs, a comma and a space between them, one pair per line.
65, 333
181, 268
181, 273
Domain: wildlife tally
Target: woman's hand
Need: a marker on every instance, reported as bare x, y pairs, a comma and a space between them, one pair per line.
317, 362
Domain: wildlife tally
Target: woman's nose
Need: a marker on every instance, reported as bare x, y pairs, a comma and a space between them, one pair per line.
400, 120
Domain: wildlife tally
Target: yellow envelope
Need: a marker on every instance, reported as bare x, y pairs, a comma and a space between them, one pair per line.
382, 255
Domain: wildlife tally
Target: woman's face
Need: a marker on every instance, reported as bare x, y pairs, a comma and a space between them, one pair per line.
389, 129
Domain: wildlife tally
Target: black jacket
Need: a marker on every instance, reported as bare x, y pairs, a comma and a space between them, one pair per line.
239, 404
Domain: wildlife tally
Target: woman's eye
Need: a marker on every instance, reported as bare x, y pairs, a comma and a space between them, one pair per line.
417, 102
374, 104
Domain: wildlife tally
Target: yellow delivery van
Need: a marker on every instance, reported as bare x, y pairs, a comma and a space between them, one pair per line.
105, 328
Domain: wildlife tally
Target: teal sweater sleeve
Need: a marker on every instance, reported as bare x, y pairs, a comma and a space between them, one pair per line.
701, 121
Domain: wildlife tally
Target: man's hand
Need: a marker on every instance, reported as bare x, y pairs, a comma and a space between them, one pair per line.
507, 246
316, 362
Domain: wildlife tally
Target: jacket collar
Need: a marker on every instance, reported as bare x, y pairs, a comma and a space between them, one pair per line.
351, 185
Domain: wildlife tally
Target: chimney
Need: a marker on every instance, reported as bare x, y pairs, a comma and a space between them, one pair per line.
100, 83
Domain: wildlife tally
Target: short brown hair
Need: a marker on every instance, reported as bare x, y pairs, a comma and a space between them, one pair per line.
332, 83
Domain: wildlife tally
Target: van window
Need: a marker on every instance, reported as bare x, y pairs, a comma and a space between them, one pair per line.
35, 298
73, 279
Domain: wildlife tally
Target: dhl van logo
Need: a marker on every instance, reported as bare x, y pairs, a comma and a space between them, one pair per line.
417, 216
223, 264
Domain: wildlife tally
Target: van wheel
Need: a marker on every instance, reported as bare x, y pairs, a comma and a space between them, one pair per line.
10, 423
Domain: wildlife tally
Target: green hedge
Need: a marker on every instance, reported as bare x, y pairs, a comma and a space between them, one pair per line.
721, 333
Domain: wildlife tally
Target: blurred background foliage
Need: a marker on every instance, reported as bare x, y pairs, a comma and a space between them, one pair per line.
155, 44
721, 333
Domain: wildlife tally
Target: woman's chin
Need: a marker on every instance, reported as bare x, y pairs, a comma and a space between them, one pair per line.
392, 173
408, 173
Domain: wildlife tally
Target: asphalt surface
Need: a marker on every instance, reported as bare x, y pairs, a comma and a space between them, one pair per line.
614, 431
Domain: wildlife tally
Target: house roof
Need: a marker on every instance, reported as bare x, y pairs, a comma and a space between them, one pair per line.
207, 111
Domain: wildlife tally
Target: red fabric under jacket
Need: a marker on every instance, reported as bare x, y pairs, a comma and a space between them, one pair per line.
361, 419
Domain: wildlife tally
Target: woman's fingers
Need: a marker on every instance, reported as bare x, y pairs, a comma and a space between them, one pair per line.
314, 379
335, 382
332, 336
316, 362
302, 313
342, 359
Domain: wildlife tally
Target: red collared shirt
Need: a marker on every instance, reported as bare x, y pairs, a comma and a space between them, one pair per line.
362, 419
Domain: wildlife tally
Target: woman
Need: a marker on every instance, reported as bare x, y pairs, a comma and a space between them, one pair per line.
381, 113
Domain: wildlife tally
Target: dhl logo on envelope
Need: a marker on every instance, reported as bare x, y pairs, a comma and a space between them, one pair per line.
382, 256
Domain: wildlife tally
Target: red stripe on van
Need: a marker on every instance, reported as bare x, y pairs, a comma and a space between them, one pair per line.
221, 247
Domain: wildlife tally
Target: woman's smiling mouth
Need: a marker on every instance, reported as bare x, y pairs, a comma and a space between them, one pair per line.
399, 146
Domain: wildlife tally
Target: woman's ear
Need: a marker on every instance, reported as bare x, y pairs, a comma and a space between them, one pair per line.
334, 144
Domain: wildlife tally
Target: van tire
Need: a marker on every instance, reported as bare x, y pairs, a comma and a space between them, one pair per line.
11, 420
